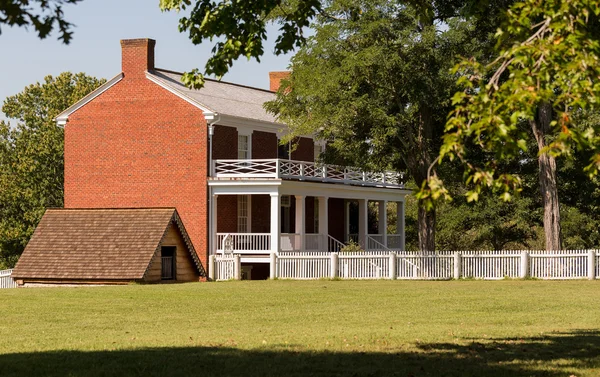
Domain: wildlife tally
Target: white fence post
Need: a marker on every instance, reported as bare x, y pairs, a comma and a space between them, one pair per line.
237, 267
592, 265
211, 267
393, 261
334, 273
524, 265
273, 270
457, 265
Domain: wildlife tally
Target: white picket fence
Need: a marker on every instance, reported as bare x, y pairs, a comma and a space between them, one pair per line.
488, 265
6, 281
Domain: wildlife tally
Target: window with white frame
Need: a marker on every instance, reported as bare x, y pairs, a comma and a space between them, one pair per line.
243, 147
243, 213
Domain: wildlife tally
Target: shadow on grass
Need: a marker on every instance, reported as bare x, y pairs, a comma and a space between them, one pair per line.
552, 355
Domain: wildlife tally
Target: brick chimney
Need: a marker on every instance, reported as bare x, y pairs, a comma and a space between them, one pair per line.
276, 77
137, 56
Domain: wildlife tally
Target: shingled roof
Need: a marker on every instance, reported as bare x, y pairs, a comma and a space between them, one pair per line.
98, 244
221, 97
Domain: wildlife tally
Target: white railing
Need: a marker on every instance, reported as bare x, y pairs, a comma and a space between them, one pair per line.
243, 243
491, 266
6, 281
419, 266
301, 266
559, 265
440, 265
315, 242
293, 242
305, 171
224, 267
369, 266
334, 245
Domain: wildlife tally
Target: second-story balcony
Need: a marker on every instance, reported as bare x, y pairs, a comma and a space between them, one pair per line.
304, 171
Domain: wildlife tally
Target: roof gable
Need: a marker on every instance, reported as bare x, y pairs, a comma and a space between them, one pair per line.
106, 244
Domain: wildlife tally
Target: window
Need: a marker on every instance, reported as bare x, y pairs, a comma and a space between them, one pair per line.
283, 151
243, 147
243, 214
286, 201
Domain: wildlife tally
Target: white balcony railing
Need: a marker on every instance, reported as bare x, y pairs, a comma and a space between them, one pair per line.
243, 243
305, 171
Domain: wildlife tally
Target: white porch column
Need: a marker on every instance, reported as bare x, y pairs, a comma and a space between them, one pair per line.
324, 221
300, 221
346, 220
213, 224
363, 222
382, 223
400, 213
275, 221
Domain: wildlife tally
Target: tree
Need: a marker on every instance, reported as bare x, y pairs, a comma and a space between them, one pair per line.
241, 29
375, 83
545, 74
31, 157
42, 15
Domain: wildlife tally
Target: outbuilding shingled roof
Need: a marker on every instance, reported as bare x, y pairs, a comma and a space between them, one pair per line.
99, 244
222, 97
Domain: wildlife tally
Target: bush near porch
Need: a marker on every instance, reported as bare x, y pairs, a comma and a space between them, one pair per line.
304, 328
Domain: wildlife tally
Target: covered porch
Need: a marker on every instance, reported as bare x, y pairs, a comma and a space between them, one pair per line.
257, 217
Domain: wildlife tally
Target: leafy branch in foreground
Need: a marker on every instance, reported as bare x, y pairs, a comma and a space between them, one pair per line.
241, 29
546, 73
555, 61
41, 14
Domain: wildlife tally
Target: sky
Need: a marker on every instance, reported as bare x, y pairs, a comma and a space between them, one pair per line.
95, 48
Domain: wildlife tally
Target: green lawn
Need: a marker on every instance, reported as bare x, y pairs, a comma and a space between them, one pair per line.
316, 328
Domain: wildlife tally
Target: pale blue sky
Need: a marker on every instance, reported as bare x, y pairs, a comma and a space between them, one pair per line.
95, 47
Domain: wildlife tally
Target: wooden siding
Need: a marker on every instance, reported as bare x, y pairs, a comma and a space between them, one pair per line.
184, 265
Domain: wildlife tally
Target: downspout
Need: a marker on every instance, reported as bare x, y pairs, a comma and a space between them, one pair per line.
212, 119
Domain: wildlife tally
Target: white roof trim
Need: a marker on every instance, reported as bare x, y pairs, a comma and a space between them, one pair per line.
160, 82
61, 119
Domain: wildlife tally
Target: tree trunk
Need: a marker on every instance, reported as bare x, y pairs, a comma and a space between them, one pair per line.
418, 163
548, 185
426, 223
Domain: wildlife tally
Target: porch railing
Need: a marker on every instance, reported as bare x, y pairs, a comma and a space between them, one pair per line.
305, 171
241, 243
312, 242
375, 242
6, 280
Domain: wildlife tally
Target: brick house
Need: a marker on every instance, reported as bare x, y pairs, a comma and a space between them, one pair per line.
145, 140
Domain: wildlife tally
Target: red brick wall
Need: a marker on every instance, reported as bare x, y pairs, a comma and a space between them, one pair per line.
304, 151
138, 145
227, 214
264, 145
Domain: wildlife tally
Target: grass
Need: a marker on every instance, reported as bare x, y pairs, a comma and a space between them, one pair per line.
315, 328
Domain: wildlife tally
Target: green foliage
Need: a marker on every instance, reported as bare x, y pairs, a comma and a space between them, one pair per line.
240, 29
352, 247
42, 15
548, 53
31, 157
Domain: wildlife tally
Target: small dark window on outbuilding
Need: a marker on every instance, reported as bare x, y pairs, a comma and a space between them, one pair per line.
167, 254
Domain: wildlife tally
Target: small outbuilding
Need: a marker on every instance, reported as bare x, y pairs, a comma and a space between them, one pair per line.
109, 246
